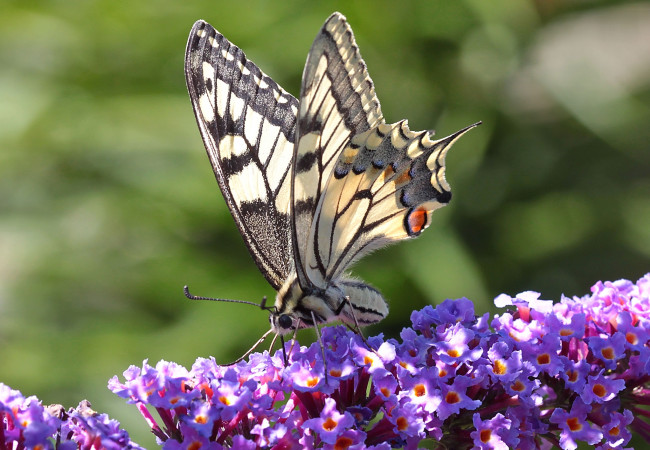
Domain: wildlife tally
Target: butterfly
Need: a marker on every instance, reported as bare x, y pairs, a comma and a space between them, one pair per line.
313, 184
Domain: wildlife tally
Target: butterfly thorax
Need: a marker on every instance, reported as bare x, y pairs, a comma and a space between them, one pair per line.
346, 299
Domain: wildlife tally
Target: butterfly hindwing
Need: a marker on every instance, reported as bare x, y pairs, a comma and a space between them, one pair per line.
383, 189
248, 127
337, 101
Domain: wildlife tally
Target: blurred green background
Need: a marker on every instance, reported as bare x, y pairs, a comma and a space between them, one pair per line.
108, 204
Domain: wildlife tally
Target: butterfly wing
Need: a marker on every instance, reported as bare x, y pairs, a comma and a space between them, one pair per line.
384, 188
337, 101
248, 124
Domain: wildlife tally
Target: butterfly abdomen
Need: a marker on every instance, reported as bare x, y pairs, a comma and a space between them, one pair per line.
368, 305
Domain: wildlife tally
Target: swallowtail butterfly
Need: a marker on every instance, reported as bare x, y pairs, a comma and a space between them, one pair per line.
313, 184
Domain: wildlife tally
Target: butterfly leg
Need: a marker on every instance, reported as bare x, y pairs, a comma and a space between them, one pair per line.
346, 301
293, 342
356, 328
320, 342
275, 338
259, 341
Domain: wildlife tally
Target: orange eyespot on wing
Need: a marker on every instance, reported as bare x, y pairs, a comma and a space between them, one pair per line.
416, 221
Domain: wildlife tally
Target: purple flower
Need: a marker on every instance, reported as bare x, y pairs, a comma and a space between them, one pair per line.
349, 439
544, 354
574, 426
374, 359
600, 389
201, 416
575, 373
407, 420
422, 390
25, 423
505, 365
616, 433
330, 424
635, 335
230, 395
454, 345
191, 440
459, 311
542, 375
88, 428
496, 433
567, 327
608, 349
454, 397
306, 378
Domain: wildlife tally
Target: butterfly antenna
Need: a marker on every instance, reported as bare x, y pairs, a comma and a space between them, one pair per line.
261, 305
259, 341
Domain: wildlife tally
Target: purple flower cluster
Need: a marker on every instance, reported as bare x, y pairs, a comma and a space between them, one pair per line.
26, 423
541, 374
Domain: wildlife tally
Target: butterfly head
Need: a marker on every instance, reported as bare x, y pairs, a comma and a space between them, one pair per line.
284, 323
297, 307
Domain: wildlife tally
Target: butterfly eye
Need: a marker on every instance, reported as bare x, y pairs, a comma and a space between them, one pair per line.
285, 321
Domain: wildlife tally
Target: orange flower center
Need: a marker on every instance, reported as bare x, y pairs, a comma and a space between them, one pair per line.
343, 442
452, 397
608, 353
329, 424
572, 376
599, 390
518, 386
574, 424
499, 367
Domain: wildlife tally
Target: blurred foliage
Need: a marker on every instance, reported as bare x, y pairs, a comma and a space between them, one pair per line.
108, 204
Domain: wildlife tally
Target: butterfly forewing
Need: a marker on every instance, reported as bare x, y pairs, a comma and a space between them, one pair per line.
248, 127
337, 101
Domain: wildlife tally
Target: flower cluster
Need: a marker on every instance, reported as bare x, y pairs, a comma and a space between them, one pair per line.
26, 423
540, 374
